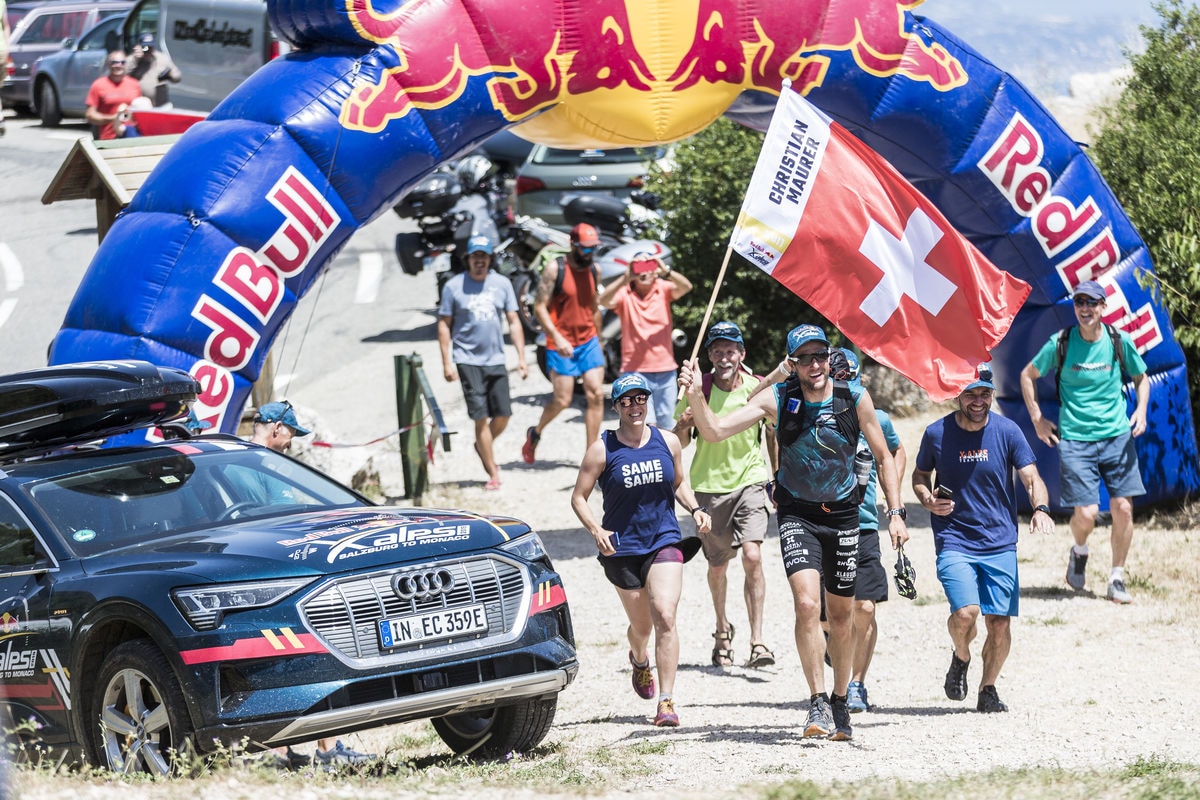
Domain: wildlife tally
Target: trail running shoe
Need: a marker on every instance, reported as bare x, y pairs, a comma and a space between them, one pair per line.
340, 755
841, 720
1077, 570
820, 717
956, 678
856, 697
532, 437
643, 678
989, 701
1117, 592
666, 716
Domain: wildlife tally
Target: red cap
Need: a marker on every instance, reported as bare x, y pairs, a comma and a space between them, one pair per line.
585, 235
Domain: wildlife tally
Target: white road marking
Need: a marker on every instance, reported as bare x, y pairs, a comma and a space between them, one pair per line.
14, 279
370, 273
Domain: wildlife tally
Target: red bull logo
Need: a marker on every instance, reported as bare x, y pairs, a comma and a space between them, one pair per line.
666, 58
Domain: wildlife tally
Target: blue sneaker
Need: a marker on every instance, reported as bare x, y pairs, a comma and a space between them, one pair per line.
856, 697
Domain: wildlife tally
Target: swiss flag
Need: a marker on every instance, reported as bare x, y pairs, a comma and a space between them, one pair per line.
831, 220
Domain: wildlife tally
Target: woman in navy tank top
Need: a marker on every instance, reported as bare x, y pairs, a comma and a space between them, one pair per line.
640, 472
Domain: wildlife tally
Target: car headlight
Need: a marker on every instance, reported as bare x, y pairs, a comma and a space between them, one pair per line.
528, 547
205, 605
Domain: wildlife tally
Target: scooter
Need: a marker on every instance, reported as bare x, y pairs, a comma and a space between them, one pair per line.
450, 206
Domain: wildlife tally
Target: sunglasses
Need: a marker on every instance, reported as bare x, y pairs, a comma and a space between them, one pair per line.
587, 251
117, 62
808, 358
1087, 302
633, 400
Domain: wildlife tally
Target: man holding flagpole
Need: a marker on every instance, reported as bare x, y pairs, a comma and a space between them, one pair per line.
817, 429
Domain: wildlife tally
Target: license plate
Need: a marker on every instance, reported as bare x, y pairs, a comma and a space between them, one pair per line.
445, 623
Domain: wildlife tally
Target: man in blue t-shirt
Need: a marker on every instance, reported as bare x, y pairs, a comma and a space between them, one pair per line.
470, 318
973, 512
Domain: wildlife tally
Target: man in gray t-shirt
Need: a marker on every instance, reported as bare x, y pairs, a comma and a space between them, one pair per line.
471, 336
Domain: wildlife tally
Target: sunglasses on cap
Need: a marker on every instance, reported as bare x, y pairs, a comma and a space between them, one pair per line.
628, 400
806, 359
1088, 302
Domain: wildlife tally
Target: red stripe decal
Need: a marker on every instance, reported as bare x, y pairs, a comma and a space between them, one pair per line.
258, 647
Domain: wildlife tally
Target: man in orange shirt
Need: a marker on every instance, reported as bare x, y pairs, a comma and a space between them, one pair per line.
567, 309
641, 299
109, 97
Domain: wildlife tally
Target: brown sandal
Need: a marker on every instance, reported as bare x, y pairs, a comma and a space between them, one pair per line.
723, 656
760, 655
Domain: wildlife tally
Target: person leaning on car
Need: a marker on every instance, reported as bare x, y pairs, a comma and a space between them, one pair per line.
109, 97
153, 69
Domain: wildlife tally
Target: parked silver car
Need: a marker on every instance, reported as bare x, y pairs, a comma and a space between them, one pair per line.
61, 80
46, 28
551, 176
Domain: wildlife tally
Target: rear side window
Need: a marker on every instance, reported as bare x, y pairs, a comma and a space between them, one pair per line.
18, 545
52, 28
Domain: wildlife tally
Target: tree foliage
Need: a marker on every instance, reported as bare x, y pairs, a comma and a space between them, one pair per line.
701, 197
1148, 150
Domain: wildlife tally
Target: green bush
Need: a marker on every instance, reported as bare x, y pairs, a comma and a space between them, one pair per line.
1148, 150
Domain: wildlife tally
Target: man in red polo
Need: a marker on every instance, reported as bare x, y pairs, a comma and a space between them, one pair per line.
109, 97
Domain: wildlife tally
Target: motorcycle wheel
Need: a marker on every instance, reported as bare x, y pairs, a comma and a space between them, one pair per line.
525, 288
407, 246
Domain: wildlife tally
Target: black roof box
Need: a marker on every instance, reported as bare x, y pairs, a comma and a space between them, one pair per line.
44, 409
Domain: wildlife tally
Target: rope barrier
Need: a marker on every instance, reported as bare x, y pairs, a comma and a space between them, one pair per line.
378, 439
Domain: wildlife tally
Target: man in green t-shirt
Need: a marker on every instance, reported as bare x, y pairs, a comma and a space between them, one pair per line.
730, 479
1093, 435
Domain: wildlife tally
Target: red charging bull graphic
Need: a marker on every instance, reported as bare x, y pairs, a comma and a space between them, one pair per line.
534, 60
242, 215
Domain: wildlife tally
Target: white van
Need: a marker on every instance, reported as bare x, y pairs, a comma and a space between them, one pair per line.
216, 44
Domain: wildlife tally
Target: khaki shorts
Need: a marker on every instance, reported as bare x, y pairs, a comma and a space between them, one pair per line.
738, 516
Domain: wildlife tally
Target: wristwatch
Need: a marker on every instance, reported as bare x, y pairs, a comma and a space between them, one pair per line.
698, 508
1042, 508
898, 512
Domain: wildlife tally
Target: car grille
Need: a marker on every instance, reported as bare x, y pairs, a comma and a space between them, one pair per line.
345, 614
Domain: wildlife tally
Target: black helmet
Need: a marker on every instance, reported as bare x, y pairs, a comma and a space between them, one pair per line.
472, 171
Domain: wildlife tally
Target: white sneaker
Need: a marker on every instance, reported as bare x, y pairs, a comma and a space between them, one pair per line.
1117, 592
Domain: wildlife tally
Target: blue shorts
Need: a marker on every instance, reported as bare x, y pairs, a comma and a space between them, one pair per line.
664, 386
1082, 465
987, 580
586, 357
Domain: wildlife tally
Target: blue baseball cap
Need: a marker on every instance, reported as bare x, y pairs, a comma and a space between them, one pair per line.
983, 378
630, 382
803, 334
479, 244
849, 371
724, 330
1089, 289
281, 412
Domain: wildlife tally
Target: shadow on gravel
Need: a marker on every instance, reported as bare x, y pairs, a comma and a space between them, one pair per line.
1054, 593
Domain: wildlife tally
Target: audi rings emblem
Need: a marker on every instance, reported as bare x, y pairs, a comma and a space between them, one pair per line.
421, 585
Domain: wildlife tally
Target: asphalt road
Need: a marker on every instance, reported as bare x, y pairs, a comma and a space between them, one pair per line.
362, 303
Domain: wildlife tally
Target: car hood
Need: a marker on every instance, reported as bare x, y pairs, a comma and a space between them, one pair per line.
316, 543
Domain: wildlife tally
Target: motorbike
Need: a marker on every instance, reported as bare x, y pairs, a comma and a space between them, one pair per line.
449, 206
622, 225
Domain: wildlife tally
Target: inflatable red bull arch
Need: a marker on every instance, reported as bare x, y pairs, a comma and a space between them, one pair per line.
244, 212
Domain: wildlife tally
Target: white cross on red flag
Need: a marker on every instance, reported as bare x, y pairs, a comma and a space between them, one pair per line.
832, 221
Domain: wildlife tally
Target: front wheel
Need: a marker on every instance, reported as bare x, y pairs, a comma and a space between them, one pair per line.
48, 108
495, 732
525, 288
138, 718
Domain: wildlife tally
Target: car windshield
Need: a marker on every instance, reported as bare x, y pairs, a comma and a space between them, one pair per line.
618, 155
139, 496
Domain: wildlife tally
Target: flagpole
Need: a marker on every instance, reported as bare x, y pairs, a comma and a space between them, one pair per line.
712, 300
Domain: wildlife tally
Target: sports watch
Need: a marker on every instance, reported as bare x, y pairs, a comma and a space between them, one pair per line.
1042, 508
901, 512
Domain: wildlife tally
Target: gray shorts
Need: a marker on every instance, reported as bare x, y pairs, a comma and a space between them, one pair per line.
1082, 465
738, 516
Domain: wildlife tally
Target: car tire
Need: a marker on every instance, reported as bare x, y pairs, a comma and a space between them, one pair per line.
495, 732
524, 287
143, 733
48, 106
407, 246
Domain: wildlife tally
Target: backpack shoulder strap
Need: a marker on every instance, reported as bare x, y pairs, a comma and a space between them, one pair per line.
558, 276
706, 381
1118, 350
845, 411
1064, 338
